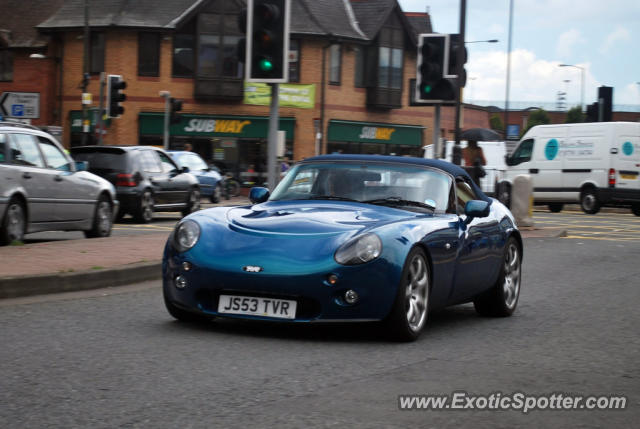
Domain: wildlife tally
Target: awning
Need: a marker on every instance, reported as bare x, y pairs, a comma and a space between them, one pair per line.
152, 124
370, 132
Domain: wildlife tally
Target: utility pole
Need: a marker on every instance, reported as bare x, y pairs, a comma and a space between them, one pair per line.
167, 112
85, 76
506, 102
100, 122
272, 142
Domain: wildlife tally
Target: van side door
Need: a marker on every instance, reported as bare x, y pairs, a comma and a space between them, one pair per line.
546, 168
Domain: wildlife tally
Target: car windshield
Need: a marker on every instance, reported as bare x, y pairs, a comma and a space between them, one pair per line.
102, 161
405, 185
193, 161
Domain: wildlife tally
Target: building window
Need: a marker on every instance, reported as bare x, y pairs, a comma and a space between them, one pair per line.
218, 39
183, 58
148, 54
389, 67
6, 65
294, 60
335, 57
358, 80
96, 53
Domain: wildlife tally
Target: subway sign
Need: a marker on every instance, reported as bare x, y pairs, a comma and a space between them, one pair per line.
230, 126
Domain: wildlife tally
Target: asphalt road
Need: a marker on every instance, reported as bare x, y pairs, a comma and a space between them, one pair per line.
115, 358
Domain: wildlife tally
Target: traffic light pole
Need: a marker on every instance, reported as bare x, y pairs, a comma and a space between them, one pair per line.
457, 151
100, 122
167, 107
272, 142
437, 152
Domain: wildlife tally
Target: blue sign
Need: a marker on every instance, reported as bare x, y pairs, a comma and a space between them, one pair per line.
551, 149
513, 132
17, 110
627, 148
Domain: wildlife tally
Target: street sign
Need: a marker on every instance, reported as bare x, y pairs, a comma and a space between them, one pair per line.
23, 105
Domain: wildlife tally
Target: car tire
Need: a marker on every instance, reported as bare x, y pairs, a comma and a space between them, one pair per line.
144, 211
215, 195
183, 315
14, 223
102, 220
589, 201
555, 207
502, 299
410, 310
193, 202
635, 209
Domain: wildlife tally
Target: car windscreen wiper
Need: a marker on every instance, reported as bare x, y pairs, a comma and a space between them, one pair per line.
331, 197
397, 201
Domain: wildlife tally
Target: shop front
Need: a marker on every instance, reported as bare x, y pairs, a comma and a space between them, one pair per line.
77, 135
236, 144
374, 138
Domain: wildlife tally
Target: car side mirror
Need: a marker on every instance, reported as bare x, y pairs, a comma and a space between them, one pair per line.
258, 195
476, 208
184, 169
82, 165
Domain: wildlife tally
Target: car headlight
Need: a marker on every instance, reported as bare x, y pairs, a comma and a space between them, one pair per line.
186, 235
359, 250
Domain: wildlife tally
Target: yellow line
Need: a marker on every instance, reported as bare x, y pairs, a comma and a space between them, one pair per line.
580, 237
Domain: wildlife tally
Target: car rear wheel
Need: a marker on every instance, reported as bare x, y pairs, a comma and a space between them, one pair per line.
409, 313
555, 207
193, 202
144, 213
589, 201
215, 196
102, 221
501, 300
14, 223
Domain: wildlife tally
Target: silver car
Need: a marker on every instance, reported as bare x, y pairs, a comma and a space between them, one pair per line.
43, 189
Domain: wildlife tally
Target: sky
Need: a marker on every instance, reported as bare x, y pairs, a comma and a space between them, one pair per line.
600, 36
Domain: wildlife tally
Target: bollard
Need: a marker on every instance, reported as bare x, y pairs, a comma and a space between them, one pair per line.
522, 200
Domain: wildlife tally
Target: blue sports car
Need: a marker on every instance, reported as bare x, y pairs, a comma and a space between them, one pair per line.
348, 238
209, 179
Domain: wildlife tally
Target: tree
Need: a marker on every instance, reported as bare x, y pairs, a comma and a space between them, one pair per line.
575, 115
496, 123
537, 117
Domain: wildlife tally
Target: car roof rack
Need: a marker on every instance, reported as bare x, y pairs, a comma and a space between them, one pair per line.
19, 125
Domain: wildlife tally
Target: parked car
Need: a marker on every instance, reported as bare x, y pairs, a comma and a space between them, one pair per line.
209, 179
42, 189
348, 238
146, 179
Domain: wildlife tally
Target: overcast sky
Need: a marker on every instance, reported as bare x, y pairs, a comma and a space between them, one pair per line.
600, 35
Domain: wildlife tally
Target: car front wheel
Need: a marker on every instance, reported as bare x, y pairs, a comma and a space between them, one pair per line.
501, 300
14, 223
409, 313
102, 220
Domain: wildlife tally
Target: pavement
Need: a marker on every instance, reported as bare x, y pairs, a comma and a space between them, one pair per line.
75, 265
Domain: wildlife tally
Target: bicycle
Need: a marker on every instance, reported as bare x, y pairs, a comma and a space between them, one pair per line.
230, 186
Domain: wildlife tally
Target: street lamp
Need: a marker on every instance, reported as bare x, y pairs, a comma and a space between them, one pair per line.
484, 41
581, 82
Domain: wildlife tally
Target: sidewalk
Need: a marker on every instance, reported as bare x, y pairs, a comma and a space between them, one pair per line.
72, 265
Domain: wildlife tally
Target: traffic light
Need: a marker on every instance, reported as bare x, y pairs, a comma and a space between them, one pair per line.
432, 66
175, 106
115, 96
592, 112
455, 59
267, 48
605, 93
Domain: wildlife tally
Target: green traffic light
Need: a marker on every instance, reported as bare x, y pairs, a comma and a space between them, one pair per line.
427, 89
265, 65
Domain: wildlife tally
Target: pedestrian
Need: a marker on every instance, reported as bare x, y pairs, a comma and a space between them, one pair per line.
474, 161
188, 147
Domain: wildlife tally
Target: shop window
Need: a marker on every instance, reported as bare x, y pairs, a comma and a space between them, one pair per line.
96, 53
183, 58
6, 65
149, 54
335, 64
294, 60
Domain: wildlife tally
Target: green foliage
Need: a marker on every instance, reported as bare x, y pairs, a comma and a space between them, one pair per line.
575, 115
495, 122
537, 117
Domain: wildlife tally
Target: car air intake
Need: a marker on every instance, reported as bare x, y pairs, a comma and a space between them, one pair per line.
125, 179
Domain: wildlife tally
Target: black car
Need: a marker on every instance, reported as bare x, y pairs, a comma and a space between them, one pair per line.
145, 177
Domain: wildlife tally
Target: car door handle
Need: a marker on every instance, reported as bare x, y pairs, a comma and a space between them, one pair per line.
534, 170
26, 175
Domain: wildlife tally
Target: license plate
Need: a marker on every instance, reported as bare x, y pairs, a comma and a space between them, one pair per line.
629, 176
268, 307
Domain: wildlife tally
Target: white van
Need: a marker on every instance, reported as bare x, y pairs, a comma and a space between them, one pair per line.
593, 164
494, 154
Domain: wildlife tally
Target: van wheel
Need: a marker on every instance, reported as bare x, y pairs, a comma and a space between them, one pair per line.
635, 209
589, 201
555, 207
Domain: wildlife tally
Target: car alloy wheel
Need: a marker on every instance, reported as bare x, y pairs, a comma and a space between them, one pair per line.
145, 209
511, 285
14, 223
103, 220
193, 202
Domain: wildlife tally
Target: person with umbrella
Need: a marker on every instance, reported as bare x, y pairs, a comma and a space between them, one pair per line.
474, 160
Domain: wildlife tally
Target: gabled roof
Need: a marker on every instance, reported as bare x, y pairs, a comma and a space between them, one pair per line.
18, 19
373, 14
420, 21
333, 18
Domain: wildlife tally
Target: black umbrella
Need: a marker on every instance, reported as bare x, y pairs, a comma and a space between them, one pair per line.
480, 135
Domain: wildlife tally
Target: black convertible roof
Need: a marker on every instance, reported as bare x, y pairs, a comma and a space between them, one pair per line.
452, 169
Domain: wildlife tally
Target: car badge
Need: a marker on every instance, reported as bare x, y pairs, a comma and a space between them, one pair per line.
252, 269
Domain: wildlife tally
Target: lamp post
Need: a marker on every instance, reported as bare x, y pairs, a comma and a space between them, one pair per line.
581, 82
